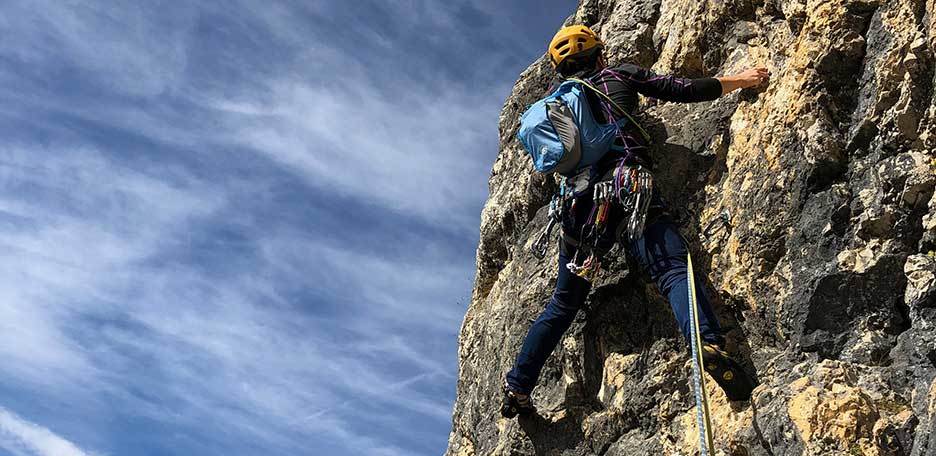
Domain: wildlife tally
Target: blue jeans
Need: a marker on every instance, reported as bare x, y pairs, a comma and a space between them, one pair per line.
661, 252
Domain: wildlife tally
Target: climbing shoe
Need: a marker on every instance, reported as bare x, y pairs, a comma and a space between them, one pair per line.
729, 375
515, 404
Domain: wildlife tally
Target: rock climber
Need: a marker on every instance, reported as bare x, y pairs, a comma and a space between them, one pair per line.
659, 249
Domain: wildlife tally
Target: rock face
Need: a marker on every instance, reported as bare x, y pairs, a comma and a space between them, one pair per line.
824, 274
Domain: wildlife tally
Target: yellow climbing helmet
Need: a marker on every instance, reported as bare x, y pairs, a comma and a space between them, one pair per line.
571, 41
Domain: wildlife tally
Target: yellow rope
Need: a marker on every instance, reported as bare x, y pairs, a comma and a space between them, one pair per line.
617, 106
705, 421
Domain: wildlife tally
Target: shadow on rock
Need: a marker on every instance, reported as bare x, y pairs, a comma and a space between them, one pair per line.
552, 437
731, 317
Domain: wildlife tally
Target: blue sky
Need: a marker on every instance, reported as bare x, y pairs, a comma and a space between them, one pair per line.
244, 227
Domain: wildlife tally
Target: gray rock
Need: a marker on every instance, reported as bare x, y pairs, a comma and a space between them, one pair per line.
823, 276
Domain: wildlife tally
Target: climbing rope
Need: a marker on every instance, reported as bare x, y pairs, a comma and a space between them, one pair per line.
706, 446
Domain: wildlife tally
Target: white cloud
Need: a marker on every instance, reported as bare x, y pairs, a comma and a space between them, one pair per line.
22, 437
83, 222
418, 153
136, 49
376, 134
229, 349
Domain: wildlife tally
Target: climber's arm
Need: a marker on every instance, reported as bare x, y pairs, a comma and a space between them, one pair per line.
683, 90
743, 80
668, 87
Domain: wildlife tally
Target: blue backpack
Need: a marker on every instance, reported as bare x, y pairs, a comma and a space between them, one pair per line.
561, 134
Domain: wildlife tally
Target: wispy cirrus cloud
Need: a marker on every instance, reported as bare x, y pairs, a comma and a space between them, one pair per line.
242, 227
105, 304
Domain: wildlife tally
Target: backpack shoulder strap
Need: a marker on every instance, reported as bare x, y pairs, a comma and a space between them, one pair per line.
616, 106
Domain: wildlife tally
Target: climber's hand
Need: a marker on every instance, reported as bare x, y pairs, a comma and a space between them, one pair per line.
745, 79
753, 77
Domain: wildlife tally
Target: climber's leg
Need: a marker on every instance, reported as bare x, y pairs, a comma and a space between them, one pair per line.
546, 332
662, 252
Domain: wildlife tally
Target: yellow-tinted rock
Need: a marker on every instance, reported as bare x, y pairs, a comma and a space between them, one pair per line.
827, 407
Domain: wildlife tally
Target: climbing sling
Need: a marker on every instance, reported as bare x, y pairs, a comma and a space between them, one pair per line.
706, 446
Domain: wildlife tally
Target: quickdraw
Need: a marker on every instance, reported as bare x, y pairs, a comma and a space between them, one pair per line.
538, 249
722, 222
556, 211
602, 195
634, 188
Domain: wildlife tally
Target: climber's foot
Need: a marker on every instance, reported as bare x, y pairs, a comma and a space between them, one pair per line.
515, 404
729, 375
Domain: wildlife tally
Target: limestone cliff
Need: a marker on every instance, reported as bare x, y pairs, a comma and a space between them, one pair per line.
824, 273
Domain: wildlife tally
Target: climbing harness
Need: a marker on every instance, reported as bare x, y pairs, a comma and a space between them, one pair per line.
628, 190
578, 183
602, 197
706, 445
